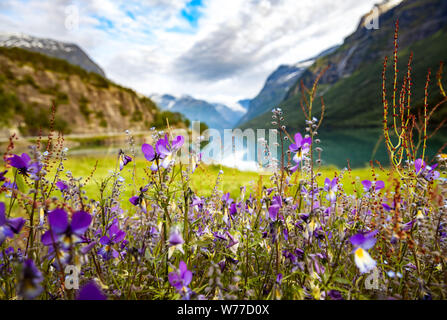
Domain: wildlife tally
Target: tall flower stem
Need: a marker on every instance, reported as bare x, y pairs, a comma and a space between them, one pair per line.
185, 213
30, 241
165, 217
13, 198
266, 274
278, 256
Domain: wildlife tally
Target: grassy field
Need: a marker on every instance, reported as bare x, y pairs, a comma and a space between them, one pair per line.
202, 181
94, 169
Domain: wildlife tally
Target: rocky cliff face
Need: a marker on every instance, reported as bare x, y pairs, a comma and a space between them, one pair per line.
69, 52
274, 90
418, 20
352, 86
85, 102
277, 85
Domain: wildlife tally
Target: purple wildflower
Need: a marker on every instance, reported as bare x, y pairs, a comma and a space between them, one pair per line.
148, 152
164, 150
279, 278
25, 167
90, 291
231, 241
21, 163
139, 201
233, 209
431, 174
419, 165
222, 264
175, 242
167, 150
88, 247
301, 147
9, 227
114, 235
29, 286
427, 172
375, 185
62, 185
226, 198
64, 232
199, 202
134, 200
175, 238
10, 185
273, 212
124, 160
362, 242
442, 231
407, 226
335, 295
274, 208
150, 155
181, 278
331, 187
387, 207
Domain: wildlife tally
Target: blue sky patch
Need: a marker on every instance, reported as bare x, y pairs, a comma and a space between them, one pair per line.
104, 23
178, 29
130, 15
192, 12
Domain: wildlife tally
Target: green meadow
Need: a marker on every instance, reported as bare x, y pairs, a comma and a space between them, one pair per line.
202, 181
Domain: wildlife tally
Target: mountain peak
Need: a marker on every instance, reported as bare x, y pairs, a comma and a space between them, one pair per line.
382, 7
215, 115
70, 52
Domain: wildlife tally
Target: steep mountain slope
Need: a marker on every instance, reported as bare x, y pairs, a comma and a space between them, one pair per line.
277, 85
85, 102
245, 104
214, 115
66, 51
274, 90
352, 85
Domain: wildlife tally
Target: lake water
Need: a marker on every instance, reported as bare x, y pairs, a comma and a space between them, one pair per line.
358, 145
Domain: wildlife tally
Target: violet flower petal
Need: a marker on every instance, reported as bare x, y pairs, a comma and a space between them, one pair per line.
80, 222
148, 152
90, 291
58, 220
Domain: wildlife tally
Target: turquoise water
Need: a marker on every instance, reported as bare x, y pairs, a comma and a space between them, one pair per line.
359, 146
362, 145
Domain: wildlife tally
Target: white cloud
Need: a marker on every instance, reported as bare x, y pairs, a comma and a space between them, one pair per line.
236, 44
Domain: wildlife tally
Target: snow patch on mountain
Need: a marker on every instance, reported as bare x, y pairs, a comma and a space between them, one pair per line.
57, 49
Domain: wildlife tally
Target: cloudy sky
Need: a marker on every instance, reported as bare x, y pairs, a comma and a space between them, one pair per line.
219, 50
